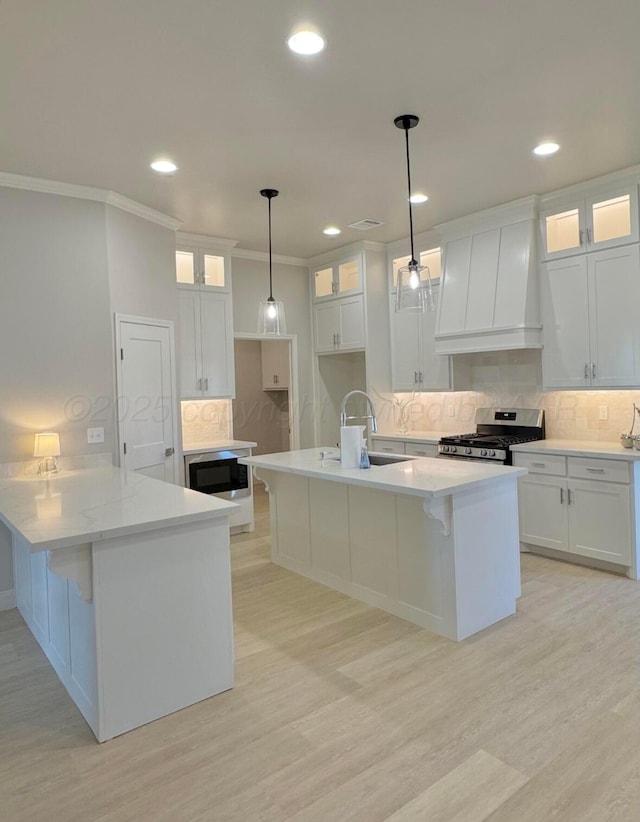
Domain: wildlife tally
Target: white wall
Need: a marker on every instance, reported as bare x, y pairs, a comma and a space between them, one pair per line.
291, 285
55, 333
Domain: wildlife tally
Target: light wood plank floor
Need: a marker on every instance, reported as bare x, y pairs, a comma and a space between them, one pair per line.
342, 712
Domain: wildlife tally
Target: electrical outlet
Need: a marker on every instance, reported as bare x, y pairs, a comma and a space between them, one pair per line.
604, 412
451, 411
95, 435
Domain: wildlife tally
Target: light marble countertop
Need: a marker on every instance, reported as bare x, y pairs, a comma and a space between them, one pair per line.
88, 504
217, 445
432, 437
419, 476
579, 448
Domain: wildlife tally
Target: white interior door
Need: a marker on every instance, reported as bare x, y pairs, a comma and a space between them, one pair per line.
147, 398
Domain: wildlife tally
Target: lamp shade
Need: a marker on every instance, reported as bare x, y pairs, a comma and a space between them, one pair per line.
47, 445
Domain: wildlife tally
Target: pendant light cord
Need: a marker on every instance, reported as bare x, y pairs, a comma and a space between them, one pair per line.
270, 271
406, 135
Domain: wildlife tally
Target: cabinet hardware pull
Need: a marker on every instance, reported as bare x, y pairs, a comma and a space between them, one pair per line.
593, 371
206, 383
199, 385
589, 235
562, 496
581, 237
338, 337
539, 464
596, 470
568, 496
421, 377
415, 376
169, 452
586, 371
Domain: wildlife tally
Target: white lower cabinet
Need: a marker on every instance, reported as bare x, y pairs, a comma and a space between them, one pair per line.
339, 325
587, 517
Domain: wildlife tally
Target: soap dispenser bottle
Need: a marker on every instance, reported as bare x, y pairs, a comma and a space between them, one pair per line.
364, 455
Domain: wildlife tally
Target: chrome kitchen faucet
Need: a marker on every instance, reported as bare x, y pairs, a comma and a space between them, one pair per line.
371, 416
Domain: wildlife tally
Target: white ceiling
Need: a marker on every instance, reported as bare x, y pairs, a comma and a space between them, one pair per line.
92, 90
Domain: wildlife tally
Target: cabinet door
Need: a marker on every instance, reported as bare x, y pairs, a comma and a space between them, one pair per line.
326, 325
348, 276
613, 218
434, 370
564, 230
275, 364
614, 298
600, 520
566, 355
190, 344
405, 351
323, 283
217, 345
351, 323
421, 449
542, 503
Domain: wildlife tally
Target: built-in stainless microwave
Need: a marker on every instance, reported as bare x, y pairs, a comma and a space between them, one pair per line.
219, 473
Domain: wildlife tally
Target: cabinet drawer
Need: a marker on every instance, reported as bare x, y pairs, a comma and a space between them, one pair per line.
591, 468
421, 449
551, 464
387, 446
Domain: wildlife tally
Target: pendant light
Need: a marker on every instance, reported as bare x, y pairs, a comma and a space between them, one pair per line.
414, 291
271, 313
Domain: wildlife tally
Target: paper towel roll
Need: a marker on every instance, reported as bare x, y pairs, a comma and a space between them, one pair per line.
350, 445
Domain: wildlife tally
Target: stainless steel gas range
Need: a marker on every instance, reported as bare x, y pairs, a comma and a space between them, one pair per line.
497, 429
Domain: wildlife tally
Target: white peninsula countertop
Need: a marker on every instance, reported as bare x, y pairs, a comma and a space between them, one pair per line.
88, 504
418, 476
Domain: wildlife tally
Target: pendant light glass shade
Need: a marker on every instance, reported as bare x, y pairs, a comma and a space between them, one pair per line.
271, 319
414, 291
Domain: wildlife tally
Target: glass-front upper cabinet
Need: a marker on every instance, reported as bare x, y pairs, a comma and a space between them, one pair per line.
338, 279
200, 267
603, 221
431, 259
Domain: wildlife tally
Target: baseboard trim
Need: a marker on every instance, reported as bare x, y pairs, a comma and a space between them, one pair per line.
7, 600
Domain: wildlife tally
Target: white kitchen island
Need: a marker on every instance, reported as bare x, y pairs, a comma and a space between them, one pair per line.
125, 583
434, 541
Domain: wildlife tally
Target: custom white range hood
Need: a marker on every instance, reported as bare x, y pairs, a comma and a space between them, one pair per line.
489, 288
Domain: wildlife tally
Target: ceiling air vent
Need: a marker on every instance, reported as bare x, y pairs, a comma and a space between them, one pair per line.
365, 225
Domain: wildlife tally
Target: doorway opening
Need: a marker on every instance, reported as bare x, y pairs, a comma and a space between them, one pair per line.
265, 406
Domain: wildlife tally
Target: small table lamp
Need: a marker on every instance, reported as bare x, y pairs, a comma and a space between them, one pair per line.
47, 445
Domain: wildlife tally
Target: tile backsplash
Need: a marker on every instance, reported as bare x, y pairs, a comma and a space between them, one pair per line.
205, 421
514, 379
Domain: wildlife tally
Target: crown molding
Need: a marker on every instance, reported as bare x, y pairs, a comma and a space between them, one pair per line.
204, 241
261, 256
632, 174
98, 195
344, 250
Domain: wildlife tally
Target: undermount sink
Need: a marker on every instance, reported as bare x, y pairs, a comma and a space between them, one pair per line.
386, 459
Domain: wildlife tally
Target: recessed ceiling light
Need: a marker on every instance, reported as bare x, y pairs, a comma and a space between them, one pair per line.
418, 198
306, 42
164, 166
331, 231
544, 149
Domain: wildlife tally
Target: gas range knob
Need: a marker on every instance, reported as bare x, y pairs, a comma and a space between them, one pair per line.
444, 449
467, 450
492, 453
483, 453
453, 449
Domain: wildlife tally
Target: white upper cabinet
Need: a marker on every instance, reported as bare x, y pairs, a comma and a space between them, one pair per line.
338, 279
603, 219
489, 289
276, 368
200, 268
339, 325
591, 329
